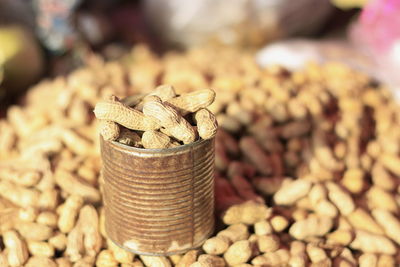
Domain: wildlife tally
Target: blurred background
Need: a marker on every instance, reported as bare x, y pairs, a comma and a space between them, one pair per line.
46, 38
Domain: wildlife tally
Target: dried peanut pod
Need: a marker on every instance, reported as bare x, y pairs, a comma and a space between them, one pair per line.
343, 257
192, 102
244, 116
249, 212
165, 92
20, 196
40, 249
34, 231
315, 253
120, 255
132, 100
276, 258
7, 137
155, 139
17, 251
392, 162
341, 236
326, 208
244, 189
86, 261
75, 142
372, 243
109, 130
311, 227
239, 252
386, 261
175, 258
267, 185
362, 220
232, 147
130, 138
88, 223
368, 260
183, 132
135, 263
106, 259
382, 178
146, 99
262, 228
28, 214
298, 256
58, 241
292, 191
235, 232
165, 114
75, 247
251, 150
169, 118
73, 185
188, 259
3, 259
279, 223
155, 261
240, 168
268, 243
389, 222
295, 129
48, 199
221, 157
342, 200
69, 213
211, 260
36, 261
47, 218
130, 118
216, 245
228, 123
298, 261
353, 180
378, 198
206, 123
19, 175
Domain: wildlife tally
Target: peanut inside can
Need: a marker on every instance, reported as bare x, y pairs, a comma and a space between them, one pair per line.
158, 201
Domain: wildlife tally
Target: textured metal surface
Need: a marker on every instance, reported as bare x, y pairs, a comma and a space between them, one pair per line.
159, 201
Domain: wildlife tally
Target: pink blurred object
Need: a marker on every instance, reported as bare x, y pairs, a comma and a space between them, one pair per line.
379, 24
377, 33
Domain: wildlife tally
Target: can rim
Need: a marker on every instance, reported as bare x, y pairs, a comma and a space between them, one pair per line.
158, 150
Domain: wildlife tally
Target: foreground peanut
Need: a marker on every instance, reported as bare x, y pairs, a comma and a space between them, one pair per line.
113, 110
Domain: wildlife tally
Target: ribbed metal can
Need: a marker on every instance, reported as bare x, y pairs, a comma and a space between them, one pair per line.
158, 201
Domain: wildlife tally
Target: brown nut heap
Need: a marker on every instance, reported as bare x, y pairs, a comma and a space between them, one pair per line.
160, 119
307, 163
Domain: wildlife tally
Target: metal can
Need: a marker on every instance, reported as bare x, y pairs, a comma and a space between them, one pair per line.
158, 201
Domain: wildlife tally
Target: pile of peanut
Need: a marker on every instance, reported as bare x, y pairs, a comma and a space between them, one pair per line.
307, 164
158, 120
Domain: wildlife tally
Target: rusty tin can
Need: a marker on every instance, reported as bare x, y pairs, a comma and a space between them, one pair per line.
158, 201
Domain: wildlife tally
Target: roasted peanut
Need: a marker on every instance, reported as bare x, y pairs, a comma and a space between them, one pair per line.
206, 123
248, 213
155, 139
169, 118
239, 252
109, 130
115, 111
17, 251
194, 101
